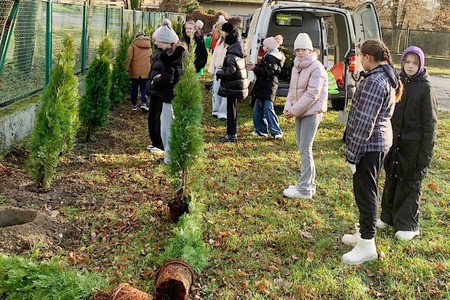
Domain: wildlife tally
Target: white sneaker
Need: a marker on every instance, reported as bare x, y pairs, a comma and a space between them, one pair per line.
352, 239
278, 136
406, 235
380, 224
295, 187
254, 133
150, 147
293, 193
363, 251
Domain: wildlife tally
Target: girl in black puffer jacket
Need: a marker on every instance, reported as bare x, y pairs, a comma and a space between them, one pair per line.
414, 126
165, 81
155, 107
264, 92
233, 84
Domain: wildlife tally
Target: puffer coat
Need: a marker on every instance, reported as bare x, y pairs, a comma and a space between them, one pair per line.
170, 74
308, 89
267, 72
156, 68
414, 126
139, 57
234, 83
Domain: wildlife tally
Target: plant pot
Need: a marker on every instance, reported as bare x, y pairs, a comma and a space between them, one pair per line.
177, 209
173, 280
124, 291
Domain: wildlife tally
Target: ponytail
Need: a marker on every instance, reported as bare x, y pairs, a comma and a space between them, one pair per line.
380, 52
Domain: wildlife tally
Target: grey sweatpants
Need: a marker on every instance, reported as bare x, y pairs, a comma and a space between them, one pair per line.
166, 120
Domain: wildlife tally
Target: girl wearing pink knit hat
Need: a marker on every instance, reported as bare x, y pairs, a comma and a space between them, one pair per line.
264, 91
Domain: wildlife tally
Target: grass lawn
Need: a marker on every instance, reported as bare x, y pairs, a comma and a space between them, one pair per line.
261, 245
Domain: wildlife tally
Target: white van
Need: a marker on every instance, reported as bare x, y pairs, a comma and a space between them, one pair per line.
337, 32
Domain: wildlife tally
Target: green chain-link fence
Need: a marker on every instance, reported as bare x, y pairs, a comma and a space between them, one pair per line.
434, 43
23, 47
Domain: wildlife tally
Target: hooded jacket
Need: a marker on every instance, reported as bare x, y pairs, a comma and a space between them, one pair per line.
234, 83
201, 54
369, 121
267, 72
172, 69
139, 57
308, 89
414, 126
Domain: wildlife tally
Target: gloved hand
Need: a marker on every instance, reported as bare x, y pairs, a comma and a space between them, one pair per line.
352, 167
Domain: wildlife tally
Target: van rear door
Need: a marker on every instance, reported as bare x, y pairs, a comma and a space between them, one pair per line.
367, 25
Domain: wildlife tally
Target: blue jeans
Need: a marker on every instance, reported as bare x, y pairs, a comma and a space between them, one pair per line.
135, 84
264, 118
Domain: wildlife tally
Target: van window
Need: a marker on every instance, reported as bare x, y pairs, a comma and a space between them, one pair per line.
370, 25
289, 19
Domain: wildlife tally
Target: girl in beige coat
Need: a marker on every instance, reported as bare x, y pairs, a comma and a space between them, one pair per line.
138, 66
306, 101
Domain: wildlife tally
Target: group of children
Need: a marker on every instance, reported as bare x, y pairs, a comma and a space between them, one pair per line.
392, 120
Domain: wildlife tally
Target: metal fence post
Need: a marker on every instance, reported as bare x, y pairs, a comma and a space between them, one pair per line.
121, 21
48, 42
106, 19
407, 37
83, 38
134, 19
149, 19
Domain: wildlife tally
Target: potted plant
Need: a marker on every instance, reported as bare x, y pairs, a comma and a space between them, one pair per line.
186, 143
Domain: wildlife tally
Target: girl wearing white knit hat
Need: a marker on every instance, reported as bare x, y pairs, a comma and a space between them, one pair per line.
306, 102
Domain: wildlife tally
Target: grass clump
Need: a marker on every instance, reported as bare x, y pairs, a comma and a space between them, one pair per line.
23, 279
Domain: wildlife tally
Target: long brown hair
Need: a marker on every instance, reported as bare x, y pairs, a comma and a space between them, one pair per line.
380, 52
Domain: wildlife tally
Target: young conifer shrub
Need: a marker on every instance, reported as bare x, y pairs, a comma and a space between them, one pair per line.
120, 82
186, 142
187, 243
23, 279
57, 120
94, 106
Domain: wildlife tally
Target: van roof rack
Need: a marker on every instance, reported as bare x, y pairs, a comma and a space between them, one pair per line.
337, 3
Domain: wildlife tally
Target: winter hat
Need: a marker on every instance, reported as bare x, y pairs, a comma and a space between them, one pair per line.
231, 38
167, 22
166, 35
303, 41
221, 20
273, 42
199, 24
417, 51
227, 27
155, 33
140, 33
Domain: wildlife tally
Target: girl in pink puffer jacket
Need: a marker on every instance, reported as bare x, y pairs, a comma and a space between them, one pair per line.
306, 101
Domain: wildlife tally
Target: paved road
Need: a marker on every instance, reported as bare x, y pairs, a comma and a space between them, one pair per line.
442, 88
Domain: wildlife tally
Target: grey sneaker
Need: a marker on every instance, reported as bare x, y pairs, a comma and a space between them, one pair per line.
133, 107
